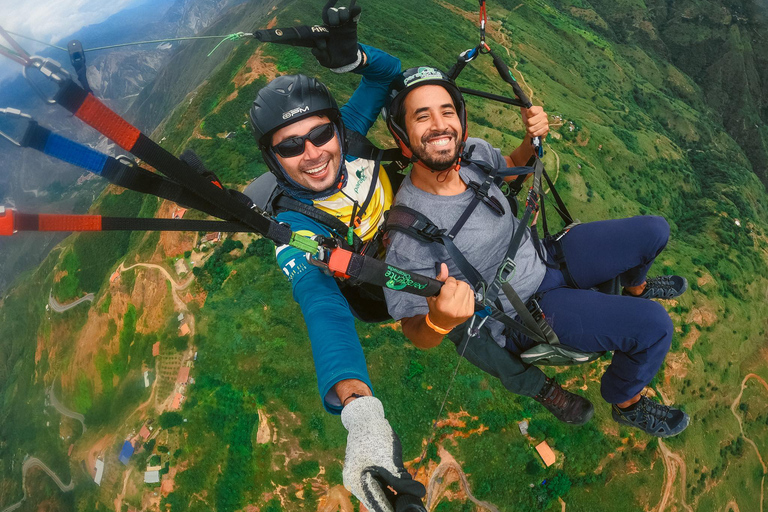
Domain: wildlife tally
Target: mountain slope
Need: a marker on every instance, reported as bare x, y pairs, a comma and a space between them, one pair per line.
634, 134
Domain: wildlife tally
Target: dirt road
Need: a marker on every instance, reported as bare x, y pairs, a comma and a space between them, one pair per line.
176, 287
734, 406
674, 464
436, 485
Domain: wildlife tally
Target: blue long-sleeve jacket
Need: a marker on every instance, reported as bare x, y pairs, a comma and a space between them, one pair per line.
336, 348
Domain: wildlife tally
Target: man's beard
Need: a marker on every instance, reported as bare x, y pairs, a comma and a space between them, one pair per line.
445, 158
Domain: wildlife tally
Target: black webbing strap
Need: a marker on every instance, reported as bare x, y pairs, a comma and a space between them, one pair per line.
416, 225
73, 98
131, 177
51, 222
284, 202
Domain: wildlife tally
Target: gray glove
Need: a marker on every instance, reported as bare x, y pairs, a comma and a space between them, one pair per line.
374, 459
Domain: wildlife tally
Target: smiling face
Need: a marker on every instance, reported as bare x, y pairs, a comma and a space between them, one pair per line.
316, 168
433, 126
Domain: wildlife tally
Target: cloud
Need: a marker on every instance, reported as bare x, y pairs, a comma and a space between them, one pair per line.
51, 21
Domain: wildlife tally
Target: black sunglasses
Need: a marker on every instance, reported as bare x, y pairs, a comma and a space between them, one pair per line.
294, 146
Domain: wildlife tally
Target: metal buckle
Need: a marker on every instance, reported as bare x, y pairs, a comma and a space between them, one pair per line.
50, 69
474, 330
507, 271
13, 112
469, 55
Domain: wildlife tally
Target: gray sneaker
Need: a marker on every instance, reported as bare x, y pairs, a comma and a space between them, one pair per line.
663, 287
652, 417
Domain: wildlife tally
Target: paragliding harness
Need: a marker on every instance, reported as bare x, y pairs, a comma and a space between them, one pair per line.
530, 321
366, 301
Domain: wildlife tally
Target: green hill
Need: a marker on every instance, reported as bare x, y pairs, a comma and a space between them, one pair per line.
643, 132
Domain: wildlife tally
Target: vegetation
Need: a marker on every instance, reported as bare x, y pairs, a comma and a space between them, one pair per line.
643, 142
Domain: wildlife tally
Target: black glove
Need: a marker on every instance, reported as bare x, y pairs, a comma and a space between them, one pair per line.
340, 51
374, 460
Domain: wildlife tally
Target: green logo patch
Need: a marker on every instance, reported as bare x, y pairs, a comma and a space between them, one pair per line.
399, 280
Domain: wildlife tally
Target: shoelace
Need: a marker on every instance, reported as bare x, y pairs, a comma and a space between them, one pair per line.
654, 412
661, 285
555, 396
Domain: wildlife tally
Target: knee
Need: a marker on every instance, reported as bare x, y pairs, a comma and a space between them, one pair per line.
658, 230
660, 328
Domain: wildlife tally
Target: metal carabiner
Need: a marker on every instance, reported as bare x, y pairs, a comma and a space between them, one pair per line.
50, 69
13, 112
473, 330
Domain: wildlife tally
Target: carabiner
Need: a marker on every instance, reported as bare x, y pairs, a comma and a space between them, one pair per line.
13, 112
50, 69
473, 330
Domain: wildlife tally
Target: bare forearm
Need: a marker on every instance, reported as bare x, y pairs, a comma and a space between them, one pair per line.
347, 389
523, 153
421, 335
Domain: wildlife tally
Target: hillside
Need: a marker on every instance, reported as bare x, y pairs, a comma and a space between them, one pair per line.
635, 131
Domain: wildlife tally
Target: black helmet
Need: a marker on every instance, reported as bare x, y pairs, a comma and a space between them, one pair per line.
287, 99
283, 101
408, 81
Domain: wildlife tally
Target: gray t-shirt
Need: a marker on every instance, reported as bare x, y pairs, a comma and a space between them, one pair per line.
483, 241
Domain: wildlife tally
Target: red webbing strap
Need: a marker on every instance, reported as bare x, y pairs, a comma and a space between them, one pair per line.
54, 222
94, 113
6, 222
50, 222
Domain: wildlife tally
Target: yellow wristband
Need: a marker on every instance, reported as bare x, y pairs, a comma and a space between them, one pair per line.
435, 328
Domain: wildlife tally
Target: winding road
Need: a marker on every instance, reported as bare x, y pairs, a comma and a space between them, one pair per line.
734, 406
434, 491
177, 287
60, 308
30, 463
63, 410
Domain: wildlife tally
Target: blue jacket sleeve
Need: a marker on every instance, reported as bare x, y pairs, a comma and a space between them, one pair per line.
361, 110
336, 348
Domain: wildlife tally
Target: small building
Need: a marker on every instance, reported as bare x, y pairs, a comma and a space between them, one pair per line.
114, 277
546, 453
99, 471
154, 468
184, 330
211, 237
176, 404
71, 447
178, 213
180, 318
183, 376
145, 432
195, 357
146, 378
156, 349
126, 452
523, 426
152, 477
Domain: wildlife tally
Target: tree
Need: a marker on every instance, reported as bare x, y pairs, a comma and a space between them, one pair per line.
169, 420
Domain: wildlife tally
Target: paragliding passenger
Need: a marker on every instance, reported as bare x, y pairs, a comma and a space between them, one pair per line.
427, 117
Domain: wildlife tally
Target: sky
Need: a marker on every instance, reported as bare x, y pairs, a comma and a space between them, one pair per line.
50, 21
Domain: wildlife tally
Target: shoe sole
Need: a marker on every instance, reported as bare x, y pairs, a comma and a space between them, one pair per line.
683, 425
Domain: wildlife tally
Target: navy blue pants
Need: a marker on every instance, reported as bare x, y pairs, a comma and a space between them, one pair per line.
638, 331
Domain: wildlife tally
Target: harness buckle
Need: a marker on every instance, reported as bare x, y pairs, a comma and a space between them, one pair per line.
506, 270
16, 113
532, 201
50, 69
